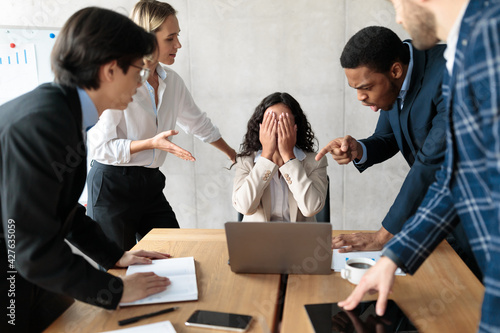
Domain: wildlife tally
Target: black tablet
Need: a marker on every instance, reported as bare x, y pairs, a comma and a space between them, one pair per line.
329, 318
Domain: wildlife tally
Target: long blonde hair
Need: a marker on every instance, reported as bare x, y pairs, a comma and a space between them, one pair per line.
150, 14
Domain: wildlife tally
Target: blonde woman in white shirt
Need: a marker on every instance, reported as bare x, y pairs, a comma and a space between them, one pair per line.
277, 177
125, 186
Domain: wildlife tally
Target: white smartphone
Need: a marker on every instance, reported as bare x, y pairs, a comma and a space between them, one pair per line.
220, 320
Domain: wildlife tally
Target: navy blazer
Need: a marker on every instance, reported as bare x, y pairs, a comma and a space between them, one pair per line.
43, 172
417, 131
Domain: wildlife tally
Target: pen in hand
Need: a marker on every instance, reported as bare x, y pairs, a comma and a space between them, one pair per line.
134, 319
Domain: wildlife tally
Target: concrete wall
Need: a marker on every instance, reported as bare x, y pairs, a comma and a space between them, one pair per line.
235, 53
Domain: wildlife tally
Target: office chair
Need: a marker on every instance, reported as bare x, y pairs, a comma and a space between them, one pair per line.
324, 214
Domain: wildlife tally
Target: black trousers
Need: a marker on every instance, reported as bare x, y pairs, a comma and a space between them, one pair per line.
25, 306
128, 202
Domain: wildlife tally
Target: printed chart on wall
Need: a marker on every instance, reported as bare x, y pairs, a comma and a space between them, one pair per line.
24, 60
18, 71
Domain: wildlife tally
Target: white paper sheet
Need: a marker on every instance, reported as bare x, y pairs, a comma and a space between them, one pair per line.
182, 275
161, 327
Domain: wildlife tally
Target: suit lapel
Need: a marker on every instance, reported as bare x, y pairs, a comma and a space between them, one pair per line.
292, 204
415, 86
266, 203
394, 116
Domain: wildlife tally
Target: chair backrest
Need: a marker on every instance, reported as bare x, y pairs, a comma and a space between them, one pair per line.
322, 216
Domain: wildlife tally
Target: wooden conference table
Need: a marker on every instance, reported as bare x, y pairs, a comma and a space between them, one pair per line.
443, 296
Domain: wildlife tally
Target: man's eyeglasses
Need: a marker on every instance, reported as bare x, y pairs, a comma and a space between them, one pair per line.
143, 74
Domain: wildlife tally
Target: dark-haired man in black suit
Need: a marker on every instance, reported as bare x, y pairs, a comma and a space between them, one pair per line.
98, 64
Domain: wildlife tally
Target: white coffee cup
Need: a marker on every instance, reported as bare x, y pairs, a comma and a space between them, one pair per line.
355, 268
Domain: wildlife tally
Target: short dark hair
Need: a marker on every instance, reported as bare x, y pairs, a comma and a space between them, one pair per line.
377, 48
93, 37
305, 135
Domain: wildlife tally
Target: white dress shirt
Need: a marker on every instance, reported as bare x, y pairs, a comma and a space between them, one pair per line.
280, 210
109, 140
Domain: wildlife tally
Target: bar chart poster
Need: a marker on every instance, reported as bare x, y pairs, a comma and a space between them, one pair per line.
18, 70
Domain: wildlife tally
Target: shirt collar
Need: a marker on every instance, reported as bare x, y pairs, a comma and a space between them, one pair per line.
406, 83
299, 154
161, 72
90, 116
452, 40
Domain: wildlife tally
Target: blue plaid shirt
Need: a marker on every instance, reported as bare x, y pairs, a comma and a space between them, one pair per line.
468, 184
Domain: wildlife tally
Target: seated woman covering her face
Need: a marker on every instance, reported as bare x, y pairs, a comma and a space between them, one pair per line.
277, 177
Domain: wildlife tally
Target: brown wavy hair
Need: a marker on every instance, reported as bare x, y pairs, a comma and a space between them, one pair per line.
305, 136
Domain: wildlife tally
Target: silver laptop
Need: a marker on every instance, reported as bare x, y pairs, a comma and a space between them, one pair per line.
279, 247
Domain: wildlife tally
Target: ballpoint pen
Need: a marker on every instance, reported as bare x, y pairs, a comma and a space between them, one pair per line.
134, 319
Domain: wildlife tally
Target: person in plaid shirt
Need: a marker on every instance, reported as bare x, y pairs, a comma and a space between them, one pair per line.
468, 184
